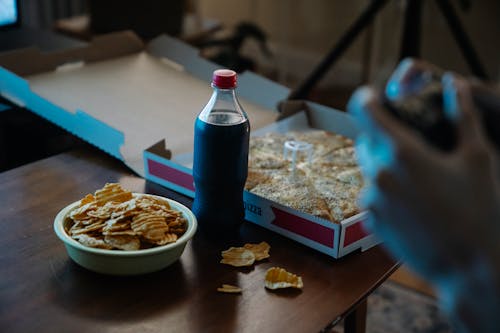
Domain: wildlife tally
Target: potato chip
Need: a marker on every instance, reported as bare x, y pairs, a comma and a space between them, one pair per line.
103, 212
88, 199
167, 238
125, 209
145, 222
151, 201
260, 251
114, 225
88, 221
123, 242
92, 241
144, 218
96, 226
277, 278
238, 257
81, 212
112, 192
174, 223
230, 289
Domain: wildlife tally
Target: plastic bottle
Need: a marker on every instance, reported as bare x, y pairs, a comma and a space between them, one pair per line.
220, 164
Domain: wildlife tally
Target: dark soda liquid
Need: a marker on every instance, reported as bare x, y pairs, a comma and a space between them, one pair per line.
220, 168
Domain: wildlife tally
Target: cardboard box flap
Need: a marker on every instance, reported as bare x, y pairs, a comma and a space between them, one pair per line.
319, 116
331, 120
79, 123
159, 149
251, 86
288, 108
31, 60
125, 104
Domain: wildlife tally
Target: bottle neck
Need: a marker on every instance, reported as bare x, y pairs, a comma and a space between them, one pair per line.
223, 108
225, 95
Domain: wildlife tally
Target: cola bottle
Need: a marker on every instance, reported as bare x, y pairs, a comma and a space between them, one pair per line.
220, 164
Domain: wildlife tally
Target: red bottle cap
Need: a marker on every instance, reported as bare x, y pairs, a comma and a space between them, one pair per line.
224, 79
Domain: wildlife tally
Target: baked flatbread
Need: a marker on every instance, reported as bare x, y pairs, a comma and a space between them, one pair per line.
327, 187
295, 191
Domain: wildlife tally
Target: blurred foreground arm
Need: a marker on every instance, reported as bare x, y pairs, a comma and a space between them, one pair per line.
439, 211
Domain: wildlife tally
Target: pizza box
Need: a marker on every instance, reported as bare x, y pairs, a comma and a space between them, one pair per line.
333, 239
139, 102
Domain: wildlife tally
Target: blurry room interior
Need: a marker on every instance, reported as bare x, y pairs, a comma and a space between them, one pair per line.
297, 35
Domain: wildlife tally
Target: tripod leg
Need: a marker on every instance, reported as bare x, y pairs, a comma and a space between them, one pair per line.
340, 47
410, 44
461, 38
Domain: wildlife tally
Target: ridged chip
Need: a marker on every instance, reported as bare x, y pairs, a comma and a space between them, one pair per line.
167, 238
96, 226
116, 225
123, 242
125, 209
87, 199
151, 201
230, 289
144, 221
237, 257
260, 251
103, 212
151, 227
82, 212
277, 278
92, 241
112, 192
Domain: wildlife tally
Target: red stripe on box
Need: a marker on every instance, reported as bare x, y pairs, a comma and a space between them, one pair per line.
303, 227
354, 232
170, 174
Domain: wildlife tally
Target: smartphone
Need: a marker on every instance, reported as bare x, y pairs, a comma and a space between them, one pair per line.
424, 112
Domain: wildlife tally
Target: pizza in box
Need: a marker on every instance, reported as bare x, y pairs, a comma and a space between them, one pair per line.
325, 182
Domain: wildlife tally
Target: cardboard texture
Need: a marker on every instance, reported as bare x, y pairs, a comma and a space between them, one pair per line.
139, 103
132, 97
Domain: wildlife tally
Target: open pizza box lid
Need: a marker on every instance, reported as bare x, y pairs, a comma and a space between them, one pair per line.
122, 95
139, 102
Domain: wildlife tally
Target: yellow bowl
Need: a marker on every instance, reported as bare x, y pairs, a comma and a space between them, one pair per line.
118, 262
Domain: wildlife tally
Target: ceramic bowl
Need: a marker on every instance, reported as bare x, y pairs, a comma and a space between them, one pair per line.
118, 262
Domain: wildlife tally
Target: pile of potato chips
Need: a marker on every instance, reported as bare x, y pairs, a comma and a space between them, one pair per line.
113, 218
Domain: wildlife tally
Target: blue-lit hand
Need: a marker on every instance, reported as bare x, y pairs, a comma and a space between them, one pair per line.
409, 77
438, 211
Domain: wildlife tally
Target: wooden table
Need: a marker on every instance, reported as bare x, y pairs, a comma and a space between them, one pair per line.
42, 290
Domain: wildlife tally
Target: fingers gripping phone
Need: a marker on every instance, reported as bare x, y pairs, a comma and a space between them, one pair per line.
424, 112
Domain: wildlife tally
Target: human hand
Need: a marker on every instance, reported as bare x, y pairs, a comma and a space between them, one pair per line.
417, 81
439, 211
409, 77
436, 210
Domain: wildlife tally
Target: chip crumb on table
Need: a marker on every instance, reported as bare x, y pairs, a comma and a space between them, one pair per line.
275, 277
278, 278
230, 289
246, 255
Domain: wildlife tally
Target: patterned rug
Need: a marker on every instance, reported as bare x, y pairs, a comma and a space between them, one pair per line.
393, 308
